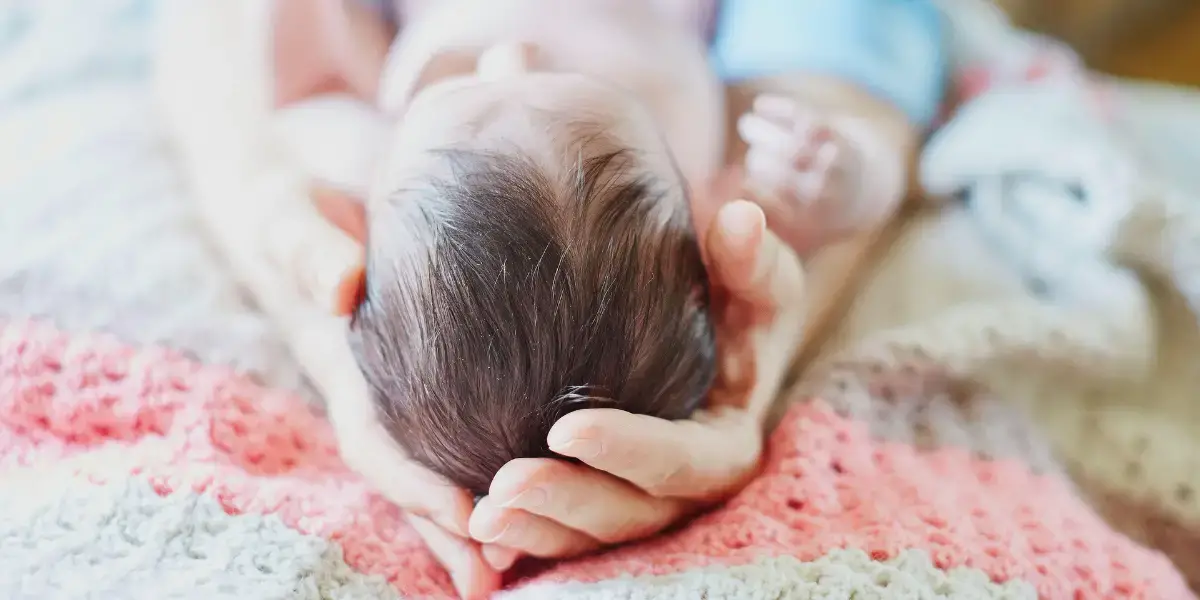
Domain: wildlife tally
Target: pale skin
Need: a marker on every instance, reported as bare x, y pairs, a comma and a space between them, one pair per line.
643, 474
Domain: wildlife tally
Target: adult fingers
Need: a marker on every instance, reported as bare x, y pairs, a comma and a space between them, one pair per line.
368, 450
501, 558
529, 533
462, 559
342, 209
707, 201
750, 262
762, 273
315, 252
768, 135
583, 499
421, 492
702, 458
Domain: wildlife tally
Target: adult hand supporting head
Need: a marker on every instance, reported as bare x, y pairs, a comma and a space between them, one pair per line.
437, 510
642, 474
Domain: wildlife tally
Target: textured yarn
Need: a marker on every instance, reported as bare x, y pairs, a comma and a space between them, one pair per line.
143, 474
929, 468
1060, 275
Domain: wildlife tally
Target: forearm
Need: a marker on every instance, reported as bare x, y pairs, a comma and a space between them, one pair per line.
252, 201
315, 336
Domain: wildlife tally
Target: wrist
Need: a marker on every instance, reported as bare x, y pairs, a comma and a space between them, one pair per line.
884, 159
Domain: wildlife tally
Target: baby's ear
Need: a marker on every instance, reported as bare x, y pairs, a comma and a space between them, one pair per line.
348, 213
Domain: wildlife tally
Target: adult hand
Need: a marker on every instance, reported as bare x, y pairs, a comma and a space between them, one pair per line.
642, 474
437, 510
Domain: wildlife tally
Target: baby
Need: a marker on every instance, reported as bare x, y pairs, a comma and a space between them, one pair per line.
532, 245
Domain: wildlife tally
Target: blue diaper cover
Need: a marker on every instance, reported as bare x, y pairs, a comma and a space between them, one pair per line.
894, 49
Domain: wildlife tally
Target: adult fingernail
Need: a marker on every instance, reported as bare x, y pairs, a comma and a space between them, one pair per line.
499, 557
740, 219
490, 522
579, 448
491, 534
528, 499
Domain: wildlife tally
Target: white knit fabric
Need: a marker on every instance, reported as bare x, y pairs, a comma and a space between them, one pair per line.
1090, 227
96, 231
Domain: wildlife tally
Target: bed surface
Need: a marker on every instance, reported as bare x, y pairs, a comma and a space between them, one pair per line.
96, 231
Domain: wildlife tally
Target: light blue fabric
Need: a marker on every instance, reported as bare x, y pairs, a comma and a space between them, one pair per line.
893, 48
60, 46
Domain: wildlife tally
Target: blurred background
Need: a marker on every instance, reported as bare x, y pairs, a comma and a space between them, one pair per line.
1156, 40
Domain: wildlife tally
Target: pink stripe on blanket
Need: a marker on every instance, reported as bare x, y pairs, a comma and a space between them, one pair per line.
827, 484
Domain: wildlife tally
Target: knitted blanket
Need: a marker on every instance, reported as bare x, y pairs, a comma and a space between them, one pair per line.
921, 456
139, 474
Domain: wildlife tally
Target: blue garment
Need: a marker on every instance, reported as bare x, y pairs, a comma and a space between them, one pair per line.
892, 48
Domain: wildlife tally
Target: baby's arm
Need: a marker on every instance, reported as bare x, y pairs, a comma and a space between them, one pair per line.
831, 101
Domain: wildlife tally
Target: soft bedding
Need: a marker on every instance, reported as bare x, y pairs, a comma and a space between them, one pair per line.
96, 229
951, 442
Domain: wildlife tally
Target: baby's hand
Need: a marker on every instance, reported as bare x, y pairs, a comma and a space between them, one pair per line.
803, 170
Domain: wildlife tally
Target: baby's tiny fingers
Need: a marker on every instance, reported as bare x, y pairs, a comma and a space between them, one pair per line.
812, 186
792, 116
766, 172
778, 108
826, 157
763, 134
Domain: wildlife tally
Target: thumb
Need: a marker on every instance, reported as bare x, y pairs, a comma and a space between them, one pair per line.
318, 243
342, 209
750, 261
472, 577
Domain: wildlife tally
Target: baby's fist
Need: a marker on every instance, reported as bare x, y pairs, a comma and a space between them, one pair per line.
801, 170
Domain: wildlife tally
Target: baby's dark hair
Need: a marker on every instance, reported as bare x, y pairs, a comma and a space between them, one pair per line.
501, 298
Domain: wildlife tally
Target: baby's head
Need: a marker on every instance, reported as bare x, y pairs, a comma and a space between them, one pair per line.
531, 248
534, 254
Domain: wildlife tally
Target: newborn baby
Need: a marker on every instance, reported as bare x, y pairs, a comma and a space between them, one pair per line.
532, 243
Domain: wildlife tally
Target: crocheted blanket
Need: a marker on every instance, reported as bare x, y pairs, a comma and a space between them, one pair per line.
920, 457
140, 474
